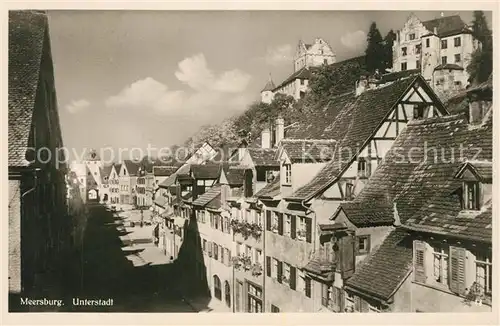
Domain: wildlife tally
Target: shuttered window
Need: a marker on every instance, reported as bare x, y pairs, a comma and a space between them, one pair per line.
268, 266
307, 282
280, 271
457, 270
268, 220
419, 249
293, 278
293, 230
308, 230
280, 223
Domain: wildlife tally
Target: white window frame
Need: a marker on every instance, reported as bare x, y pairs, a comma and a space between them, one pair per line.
488, 269
443, 258
288, 173
288, 225
274, 268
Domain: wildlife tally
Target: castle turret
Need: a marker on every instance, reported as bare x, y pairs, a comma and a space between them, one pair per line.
267, 94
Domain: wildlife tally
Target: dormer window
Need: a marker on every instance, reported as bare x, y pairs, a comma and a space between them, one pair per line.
412, 36
363, 168
288, 173
418, 111
471, 196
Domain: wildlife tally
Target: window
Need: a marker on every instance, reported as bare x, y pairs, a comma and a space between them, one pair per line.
440, 264
427, 43
444, 44
288, 173
274, 309
404, 66
248, 251
325, 61
258, 256
471, 195
204, 245
301, 230
349, 191
286, 273
418, 112
239, 247
457, 41
419, 64
302, 81
458, 59
239, 296
217, 288
403, 51
216, 251
418, 48
362, 244
274, 268
412, 36
307, 288
227, 294
444, 60
254, 298
484, 275
325, 295
288, 225
222, 255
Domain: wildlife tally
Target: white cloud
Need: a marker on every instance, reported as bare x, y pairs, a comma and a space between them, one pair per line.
208, 91
278, 55
354, 40
77, 106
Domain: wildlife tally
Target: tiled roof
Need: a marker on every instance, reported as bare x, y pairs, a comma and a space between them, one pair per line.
215, 203
302, 73
205, 171
208, 196
363, 214
318, 265
131, 166
263, 156
270, 190
392, 76
345, 74
27, 33
383, 271
483, 170
164, 171
105, 171
450, 66
446, 26
309, 150
161, 201
486, 85
269, 86
173, 177
424, 188
356, 121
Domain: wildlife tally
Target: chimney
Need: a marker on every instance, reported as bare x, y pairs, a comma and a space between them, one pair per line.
397, 220
265, 138
435, 31
241, 150
361, 85
280, 130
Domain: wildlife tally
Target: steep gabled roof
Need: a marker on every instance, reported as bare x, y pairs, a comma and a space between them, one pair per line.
105, 171
446, 26
235, 176
424, 188
364, 214
27, 34
269, 85
164, 171
383, 272
206, 171
309, 150
357, 121
448, 66
132, 167
302, 73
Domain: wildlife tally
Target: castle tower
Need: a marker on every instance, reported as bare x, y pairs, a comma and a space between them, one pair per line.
267, 94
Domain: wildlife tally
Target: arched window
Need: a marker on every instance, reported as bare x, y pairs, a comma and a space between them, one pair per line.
217, 288
227, 293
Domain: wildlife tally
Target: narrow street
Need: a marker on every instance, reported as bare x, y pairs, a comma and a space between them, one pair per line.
135, 274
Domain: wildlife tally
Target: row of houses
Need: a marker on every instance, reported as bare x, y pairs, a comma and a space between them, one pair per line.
440, 49
380, 202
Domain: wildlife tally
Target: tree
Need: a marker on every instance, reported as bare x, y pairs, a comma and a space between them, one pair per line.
375, 50
388, 42
481, 64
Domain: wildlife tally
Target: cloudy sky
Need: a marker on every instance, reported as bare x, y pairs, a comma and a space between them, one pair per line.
131, 78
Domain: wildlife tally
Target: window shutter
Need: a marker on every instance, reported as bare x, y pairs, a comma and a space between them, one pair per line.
229, 262
356, 245
368, 241
210, 248
293, 226
293, 277
280, 223
357, 303
347, 255
280, 270
268, 220
307, 282
419, 250
364, 306
457, 270
308, 230
268, 266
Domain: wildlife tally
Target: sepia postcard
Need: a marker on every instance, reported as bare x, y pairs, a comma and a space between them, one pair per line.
331, 161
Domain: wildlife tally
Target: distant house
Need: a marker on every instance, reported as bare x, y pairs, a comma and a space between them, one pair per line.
306, 56
114, 184
38, 223
440, 48
128, 181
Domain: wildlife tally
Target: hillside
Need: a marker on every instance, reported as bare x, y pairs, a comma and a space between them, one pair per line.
326, 82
